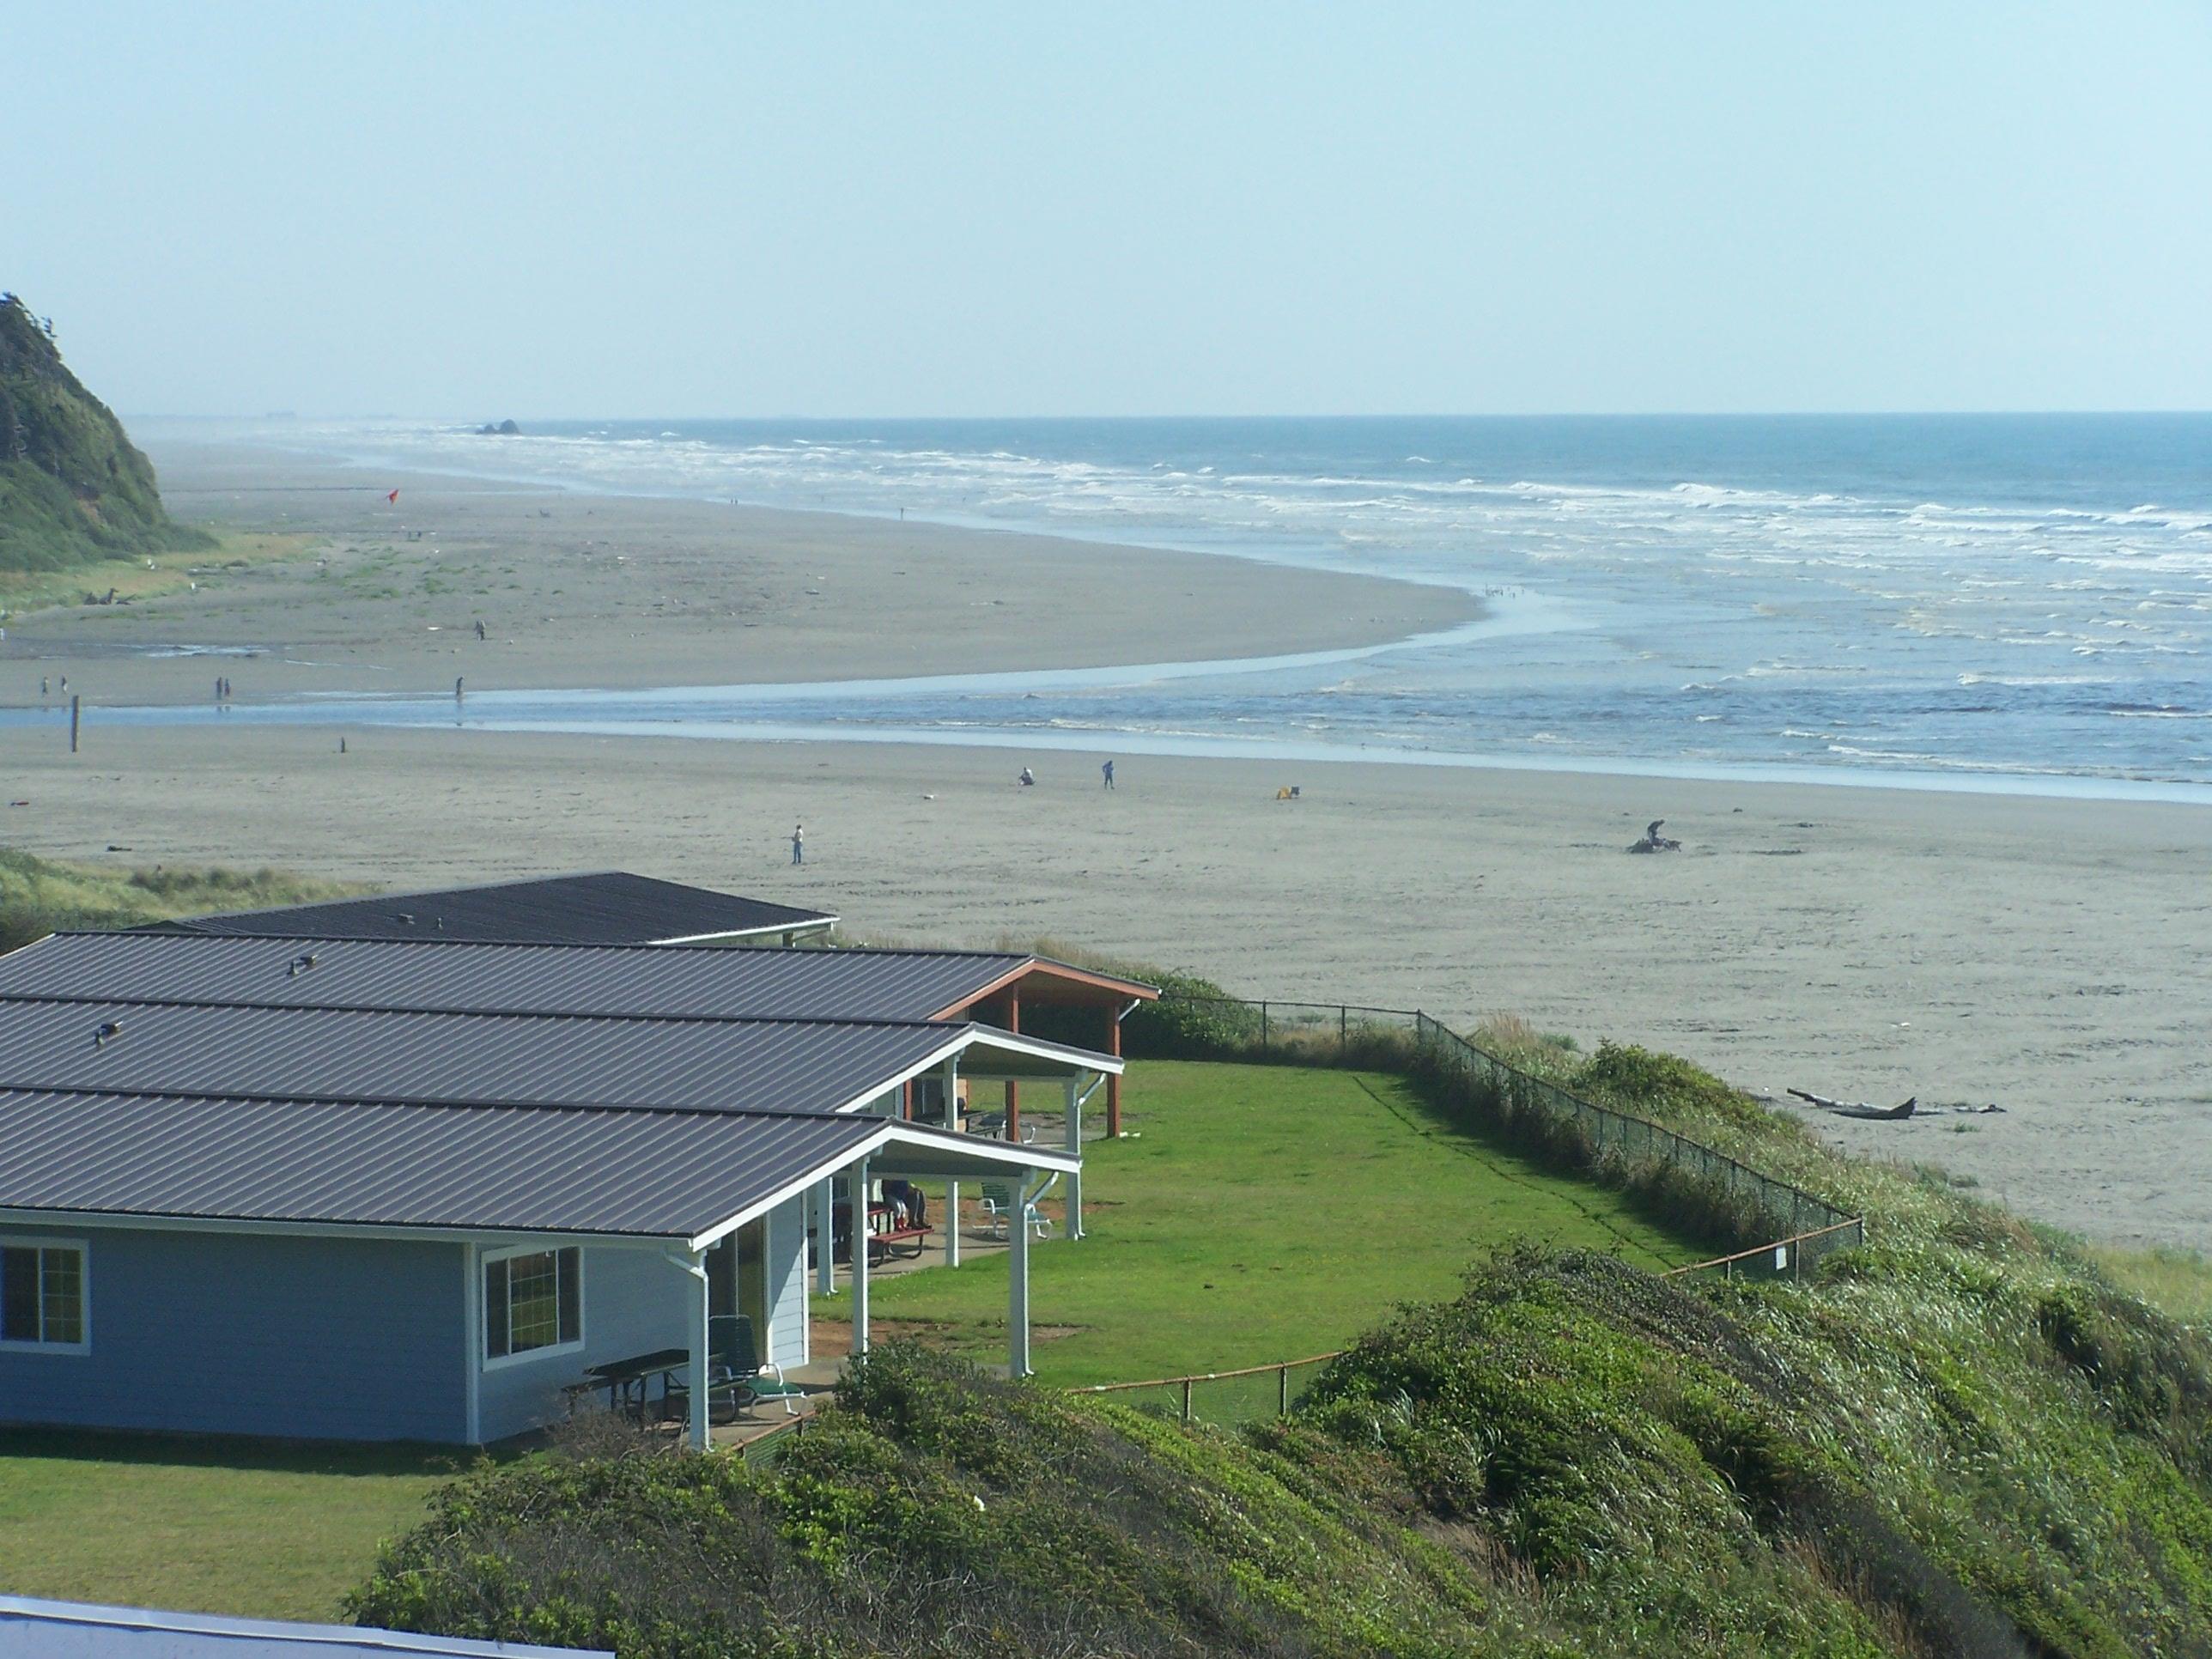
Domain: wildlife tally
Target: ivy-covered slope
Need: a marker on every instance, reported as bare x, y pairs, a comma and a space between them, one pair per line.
73, 487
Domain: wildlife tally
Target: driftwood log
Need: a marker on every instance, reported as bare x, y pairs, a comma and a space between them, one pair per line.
1859, 1108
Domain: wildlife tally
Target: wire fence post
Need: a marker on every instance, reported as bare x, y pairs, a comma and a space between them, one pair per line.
1283, 1391
1186, 1398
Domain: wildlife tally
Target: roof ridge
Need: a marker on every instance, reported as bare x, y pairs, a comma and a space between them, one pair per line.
556, 945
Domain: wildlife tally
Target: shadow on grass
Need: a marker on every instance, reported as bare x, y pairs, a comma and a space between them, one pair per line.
222, 1451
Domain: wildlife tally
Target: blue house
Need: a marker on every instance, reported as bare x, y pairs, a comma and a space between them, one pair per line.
376, 1190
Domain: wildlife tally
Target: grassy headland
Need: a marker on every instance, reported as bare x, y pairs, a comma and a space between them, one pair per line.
1967, 1437
1962, 1438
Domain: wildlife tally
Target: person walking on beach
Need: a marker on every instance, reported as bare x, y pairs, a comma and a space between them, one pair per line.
798, 843
457, 678
480, 633
1107, 773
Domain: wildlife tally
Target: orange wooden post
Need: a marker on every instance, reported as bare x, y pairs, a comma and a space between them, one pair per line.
1114, 1084
1014, 1090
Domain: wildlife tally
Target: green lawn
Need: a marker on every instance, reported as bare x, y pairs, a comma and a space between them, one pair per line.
210, 1526
1256, 1213
1259, 1213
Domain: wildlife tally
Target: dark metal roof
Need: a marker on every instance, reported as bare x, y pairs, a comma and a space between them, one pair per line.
516, 1060
675, 982
610, 907
676, 1175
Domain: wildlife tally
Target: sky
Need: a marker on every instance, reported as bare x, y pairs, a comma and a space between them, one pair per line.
663, 209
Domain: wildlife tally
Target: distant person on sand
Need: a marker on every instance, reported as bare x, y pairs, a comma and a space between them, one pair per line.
1027, 778
457, 678
480, 633
798, 843
1107, 773
45, 687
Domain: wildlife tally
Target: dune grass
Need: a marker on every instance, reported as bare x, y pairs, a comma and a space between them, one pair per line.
38, 896
2177, 1282
276, 1531
142, 576
1259, 1213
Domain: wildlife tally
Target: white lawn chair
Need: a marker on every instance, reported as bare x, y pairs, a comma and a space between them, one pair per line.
999, 1201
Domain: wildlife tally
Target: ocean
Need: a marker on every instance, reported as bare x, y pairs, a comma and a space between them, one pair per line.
1995, 601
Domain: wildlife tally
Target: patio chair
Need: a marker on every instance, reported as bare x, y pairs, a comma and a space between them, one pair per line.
999, 1201
734, 1374
992, 1126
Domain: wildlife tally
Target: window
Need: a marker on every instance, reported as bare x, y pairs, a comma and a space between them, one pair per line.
533, 1303
42, 1301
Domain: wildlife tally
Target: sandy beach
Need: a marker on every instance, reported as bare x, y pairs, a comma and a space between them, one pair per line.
2044, 955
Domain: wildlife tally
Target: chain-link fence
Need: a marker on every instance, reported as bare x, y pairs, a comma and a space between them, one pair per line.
1712, 1190
1728, 1193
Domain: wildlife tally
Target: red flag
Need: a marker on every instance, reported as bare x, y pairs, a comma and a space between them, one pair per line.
394, 498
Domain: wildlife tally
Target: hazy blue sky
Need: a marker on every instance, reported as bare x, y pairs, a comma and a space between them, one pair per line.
485, 209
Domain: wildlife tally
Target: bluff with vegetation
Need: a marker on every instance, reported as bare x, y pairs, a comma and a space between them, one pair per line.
1962, 1438
74, 490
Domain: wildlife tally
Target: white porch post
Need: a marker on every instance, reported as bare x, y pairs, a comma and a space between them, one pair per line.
1075, 1150
700, 1292
1017, 1282
825, 1248
858, 1178
952, 1188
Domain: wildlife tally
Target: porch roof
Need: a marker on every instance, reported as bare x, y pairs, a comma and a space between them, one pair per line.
311, 1165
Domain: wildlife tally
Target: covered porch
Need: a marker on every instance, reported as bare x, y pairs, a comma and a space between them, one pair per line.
735, 1356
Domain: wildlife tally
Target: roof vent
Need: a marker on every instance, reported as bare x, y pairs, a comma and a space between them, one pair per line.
298, 965
104, 1030
405, 918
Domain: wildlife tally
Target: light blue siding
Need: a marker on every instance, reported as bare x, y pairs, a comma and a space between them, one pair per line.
258, 1333
785, 1262
635, 1300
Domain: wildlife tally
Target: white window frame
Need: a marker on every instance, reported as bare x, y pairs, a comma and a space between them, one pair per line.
84, 1249
484, 1259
